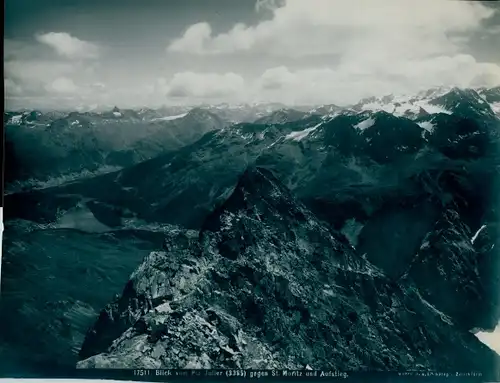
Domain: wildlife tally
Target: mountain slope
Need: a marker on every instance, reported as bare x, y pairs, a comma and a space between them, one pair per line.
90, 142
163, 189
266, 285
362, 159
411, 201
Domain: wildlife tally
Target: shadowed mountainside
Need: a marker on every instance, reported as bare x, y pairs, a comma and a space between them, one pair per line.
266, 285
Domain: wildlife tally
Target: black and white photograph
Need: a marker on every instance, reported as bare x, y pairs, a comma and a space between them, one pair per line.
251, 185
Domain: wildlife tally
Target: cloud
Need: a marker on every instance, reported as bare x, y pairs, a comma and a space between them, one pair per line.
194, 39
494, 30
352, 49
37, 70
347, 84
318, 27
204, 85
68, 46
41, 83
301, 52
15, 50
98, 85
63, 85
277, 78
12, 88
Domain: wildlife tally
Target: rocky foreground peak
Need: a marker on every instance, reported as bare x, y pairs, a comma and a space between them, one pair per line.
265, 284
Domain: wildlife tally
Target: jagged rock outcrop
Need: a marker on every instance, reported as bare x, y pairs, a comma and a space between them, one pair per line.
266, 285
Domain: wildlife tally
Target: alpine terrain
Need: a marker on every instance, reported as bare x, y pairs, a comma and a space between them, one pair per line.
262, 236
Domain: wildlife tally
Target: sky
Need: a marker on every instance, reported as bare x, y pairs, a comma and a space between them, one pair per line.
68, 54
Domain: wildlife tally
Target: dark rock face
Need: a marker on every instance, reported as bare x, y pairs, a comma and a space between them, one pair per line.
393, 235
461, 137
266, 285
448, 259
390, 137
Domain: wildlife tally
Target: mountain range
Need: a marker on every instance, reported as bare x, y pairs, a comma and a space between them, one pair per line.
348, 238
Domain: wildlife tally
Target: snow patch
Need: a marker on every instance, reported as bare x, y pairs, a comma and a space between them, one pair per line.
473, 239
247, 136
117, 114
329, 117
170, 118
365, 124
434, 109
406, 105
16, 119
405, 109
495, 106
275, 142
427, 125
377, 106
297, 136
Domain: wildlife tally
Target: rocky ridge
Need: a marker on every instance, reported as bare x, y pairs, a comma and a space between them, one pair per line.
267, 285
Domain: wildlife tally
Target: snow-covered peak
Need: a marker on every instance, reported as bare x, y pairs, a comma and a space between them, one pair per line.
436, 100
464, 102
433, 92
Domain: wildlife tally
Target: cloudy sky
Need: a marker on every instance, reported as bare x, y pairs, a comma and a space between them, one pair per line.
73, 53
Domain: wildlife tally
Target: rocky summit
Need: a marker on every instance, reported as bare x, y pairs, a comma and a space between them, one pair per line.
265, 284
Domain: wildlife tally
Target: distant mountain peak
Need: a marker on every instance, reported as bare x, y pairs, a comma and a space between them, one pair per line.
281, 116
198, 110
202, 114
